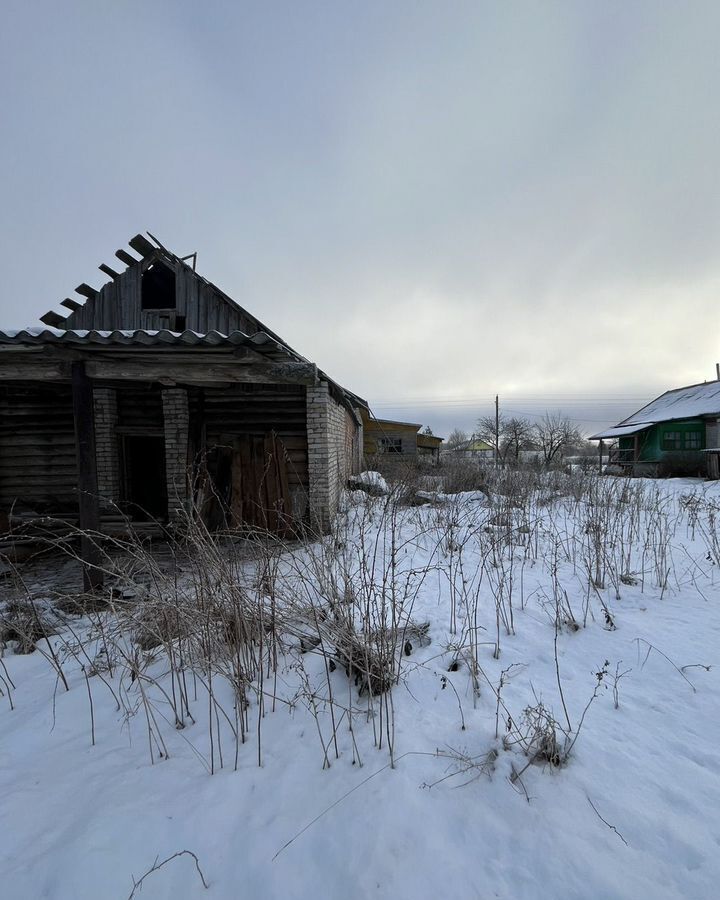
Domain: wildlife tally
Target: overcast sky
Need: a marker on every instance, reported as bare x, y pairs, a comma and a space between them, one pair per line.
436, 202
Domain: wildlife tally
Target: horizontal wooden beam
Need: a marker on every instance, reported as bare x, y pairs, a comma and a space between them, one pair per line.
207, 373
35, 370
199, 371
125, 257
109, 271
71, 304
142, 245
53, 319
86, 291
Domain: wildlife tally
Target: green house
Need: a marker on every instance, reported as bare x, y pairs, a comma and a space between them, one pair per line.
675, 434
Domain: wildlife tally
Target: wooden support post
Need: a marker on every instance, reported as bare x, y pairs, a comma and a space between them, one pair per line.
600, 450
88, 500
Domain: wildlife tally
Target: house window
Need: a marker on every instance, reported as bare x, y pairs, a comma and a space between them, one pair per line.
389, 445
682, 440
158, 287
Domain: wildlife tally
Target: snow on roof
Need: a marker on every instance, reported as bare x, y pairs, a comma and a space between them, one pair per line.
682, 403
46, 334
620, 431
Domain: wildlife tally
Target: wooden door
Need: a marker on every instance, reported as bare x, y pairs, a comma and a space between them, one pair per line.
258, 496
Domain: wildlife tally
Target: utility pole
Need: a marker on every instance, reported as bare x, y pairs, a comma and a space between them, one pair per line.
497, 431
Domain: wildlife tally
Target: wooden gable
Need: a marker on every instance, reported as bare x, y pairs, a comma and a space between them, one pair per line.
159, 290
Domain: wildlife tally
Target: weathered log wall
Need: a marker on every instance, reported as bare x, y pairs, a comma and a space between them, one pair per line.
38, 468
257, 409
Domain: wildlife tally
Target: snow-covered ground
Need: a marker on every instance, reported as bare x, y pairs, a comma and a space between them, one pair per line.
455, 811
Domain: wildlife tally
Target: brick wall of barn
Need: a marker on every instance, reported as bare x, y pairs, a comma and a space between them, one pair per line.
334, 442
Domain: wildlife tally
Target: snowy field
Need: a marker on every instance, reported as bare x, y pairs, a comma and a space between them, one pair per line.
532, 708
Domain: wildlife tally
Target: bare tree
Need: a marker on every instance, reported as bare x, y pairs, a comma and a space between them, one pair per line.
488, 431
555, 435
456, 438
513, 435
516, 435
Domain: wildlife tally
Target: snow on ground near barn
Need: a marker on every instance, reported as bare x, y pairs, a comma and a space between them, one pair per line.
79, 821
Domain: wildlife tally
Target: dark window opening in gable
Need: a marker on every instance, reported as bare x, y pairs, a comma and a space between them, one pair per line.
158, 287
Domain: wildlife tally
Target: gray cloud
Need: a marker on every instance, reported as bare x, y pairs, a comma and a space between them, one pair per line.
431, 200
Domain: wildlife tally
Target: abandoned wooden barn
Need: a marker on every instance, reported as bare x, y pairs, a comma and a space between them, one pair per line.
158, 397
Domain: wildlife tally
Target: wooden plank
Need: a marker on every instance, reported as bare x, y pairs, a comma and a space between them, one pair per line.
53, 319
131, 299
140, 244
35, 371
271, 482
195, 372
71, 304
257, 445
244, 449
109, 271
181, 294
103, 314
125, 257
236, 503
86, 291
201, 301
88, 503
285, 503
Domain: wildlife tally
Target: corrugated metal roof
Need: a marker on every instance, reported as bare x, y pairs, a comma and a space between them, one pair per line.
47, 335
620, 431
142, 337
381, 422
682, 403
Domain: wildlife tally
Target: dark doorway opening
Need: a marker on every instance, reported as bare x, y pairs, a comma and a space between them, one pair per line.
145, 482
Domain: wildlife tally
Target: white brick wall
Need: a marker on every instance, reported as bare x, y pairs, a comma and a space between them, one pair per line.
333, 453
106, 446
177, 421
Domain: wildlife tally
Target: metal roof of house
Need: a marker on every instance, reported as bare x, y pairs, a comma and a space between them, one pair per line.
682, 403
620, 431
429, 440
380, 422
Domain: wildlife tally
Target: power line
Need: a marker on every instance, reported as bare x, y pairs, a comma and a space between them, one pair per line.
472, 401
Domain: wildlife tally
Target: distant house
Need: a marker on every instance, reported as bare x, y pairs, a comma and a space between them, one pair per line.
675, 434
429, 445
475, 448
157, 396
399, 439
